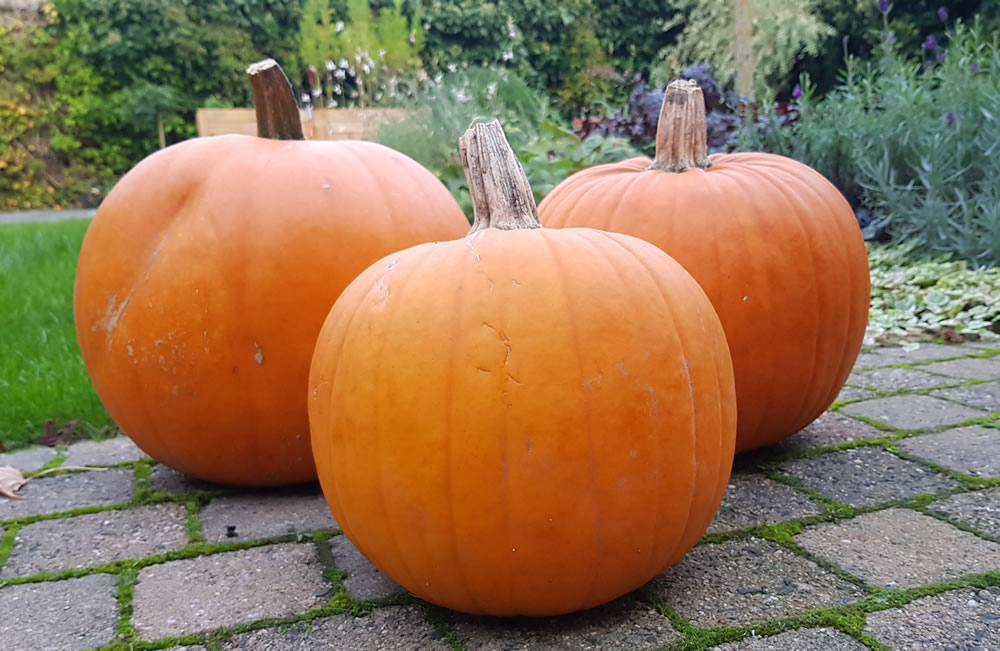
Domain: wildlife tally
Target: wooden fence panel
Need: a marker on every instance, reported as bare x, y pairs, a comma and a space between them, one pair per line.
327, 124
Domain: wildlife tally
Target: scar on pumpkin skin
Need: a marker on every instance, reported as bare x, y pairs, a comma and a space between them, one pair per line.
258, 355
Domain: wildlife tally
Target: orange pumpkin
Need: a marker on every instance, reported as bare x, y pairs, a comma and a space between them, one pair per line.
525, 421
205, 277
774, 245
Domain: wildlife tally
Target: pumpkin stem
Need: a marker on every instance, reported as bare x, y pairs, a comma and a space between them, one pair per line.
501, 195
681, 136
273, 97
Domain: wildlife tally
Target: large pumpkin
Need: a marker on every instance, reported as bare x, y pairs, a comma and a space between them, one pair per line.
205, 277
774, 245
525, 421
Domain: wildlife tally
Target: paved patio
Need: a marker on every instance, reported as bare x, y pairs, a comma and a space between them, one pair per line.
876, 527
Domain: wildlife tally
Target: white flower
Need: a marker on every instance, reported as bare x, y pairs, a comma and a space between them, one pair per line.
507, 56
329, 65
491, 90
381, 52
365, 69
343, 63
452, 67
339, 73
336, 89
339, 26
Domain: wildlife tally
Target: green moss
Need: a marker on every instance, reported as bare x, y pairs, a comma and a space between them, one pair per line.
143, 491
7, 542
195, 534
126, 589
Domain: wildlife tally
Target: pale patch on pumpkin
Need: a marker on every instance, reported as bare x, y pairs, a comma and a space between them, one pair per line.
258, 355
112, 315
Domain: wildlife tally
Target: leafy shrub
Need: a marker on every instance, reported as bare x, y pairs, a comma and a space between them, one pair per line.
442, 113
912, 141
783, 32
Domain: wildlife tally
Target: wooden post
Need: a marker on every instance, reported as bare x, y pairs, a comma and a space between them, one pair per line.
743, 47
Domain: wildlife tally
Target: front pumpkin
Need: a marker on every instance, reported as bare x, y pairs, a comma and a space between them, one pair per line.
526, 421
774, 245
209, 268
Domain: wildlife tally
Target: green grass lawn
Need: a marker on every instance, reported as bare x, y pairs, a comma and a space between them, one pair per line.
41, 373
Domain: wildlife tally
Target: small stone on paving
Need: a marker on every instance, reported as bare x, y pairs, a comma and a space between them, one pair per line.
28, 460
895, 378
866, 476
621, 624
961, 619
59, 615
970, 368
753, 499
831, 428
978, 509
912, 411
969, 450
109, 452
985, 396
166, 480
900, 548
96, 538
739, 582
827, 639
364, 580
395, 628
265, 514
65, 492
208, 592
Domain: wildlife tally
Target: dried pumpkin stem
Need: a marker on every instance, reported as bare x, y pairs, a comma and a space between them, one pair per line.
501, 195
273, 97
681, 136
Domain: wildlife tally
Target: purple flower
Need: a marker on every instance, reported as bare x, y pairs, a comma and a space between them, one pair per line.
943, 14
931, 42
974, 67
797, 91
952, 118
891, 38
883, 5
940, 57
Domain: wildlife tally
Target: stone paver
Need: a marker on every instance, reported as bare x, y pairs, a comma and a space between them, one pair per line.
912, 411
866, 476
900, 548
621, 624
364, 580
970, 368
70, 491
853, 393
28, 460
396, 628
980, 510
923, 352
95, 538
970, 450
103, 453
165, 480
830, 429
963, 619
59, 615
985, 396
989, 344
261, 515
895, 379
739, 582
753, 499
826, 639
208, 592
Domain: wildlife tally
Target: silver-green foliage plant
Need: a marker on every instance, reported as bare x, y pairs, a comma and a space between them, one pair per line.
783, 32
917, 300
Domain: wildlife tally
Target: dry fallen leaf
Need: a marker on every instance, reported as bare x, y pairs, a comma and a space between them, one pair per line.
11, 479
